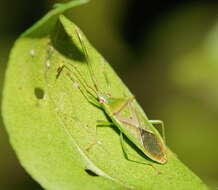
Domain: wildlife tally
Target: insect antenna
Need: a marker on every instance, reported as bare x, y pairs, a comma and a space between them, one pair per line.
105, 75
94, 80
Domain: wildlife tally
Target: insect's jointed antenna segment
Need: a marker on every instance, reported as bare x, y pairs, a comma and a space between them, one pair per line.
94, 80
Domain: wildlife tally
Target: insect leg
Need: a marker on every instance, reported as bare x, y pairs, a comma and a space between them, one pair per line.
125, 151
59, 70
81, 85
159, 123
100, 123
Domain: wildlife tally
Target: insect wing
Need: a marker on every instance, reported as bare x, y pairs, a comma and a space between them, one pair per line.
153, 146
153, 143
132, 123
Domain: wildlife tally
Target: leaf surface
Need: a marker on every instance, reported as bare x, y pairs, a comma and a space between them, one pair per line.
51, 124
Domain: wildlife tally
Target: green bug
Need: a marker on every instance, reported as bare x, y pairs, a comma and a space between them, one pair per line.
135, 126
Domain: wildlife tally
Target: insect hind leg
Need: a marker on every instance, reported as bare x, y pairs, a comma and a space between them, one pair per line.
99, 124
159, 123
126, 153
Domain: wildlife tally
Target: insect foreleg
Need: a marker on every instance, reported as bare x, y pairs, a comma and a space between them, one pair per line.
59, 70
159, 123
86, 93
89, 98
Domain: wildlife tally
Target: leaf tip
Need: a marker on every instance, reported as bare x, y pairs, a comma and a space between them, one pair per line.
59, 5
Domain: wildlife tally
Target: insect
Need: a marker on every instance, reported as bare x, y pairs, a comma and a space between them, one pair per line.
134, 125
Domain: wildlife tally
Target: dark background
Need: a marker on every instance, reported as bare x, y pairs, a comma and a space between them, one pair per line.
167, 54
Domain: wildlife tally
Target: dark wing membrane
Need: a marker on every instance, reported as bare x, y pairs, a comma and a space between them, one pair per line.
153, 146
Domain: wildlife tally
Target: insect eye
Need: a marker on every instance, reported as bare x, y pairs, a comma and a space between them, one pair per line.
102, 100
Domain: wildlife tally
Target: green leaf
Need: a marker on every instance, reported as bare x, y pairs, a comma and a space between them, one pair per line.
51, 125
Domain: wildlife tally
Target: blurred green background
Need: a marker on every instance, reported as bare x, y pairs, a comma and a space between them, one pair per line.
167, 54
